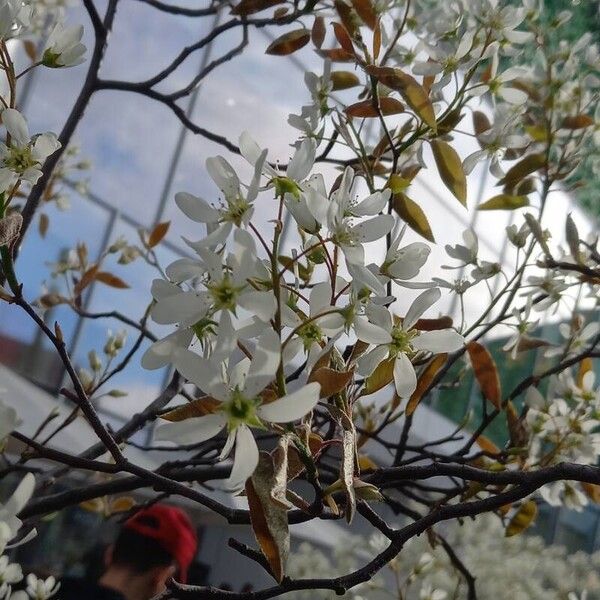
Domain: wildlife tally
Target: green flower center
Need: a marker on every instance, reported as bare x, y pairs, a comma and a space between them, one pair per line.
224, 294
236, 210
204, 327
285, 185
241, 410
310, 333
20, 159
402, 341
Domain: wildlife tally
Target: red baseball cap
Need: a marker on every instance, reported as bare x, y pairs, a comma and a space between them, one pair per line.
172, 530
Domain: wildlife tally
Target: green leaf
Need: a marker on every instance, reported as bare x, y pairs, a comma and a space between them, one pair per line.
450, 169
343, 80
528, 165
504, 202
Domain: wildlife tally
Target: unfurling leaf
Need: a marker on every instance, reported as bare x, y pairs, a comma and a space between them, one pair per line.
289, 42
158, 233
414, 94
196, 408
30, 49
332, 382
249, 7
86, 279
526, 166
343, 80
280, 473
577, 122
268, 519
122, 504
504, 202
110, 280
518, 433
522, 519
380, 377
592, 491
585, 366
10, 228
366, 12
318, 32
346, 15
347, 471
486, 373
450, 169
377, 40
367, 110
424, 382
43, 224
572, 235
412, 214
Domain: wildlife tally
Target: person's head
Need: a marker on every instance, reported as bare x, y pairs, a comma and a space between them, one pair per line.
155, 544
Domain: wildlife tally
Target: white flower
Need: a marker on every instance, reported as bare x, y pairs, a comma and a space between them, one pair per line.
41, 589
499, 84
14, 15
9, 420
64, 47
10, 573
241, 404
429, 593
406, 262
400, 341
24, 155
467, 254
9, 522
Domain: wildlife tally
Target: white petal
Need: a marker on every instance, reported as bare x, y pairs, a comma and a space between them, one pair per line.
405, 377
320, 298
196, 208
223, 175
302, 161
190, 431
184, 269
201, 372
214, 238
160, 354
185, 308
443, 340
410, 260
373, 229
246, 458
421, 303
372, 204
367, 363
261, 304
292, 406
21, 495
265, 361
16, 125
369, 332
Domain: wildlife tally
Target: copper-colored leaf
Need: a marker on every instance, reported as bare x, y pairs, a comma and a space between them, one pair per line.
504, 202
122, 504
381, 376
343, 80
249, 7
343, 38
577, 122
434, 324
481, 122
412, 214
289, 42
110, 280
158, 233
86, 279
522, 519
30, 49
366, 109
10, 228
517, 430
424, 381
366, 463
268, 519
585, 366
335, 54
592, 491
196, 408
377, 40
413, 93
487, 445
450, 169
486, 373
43, 223
295, 464
526, 166
318, 32
332, 382
347, 17
366, 12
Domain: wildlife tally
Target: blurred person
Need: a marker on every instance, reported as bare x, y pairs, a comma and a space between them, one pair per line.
155, 544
